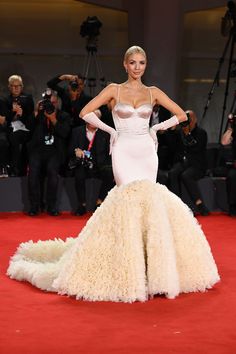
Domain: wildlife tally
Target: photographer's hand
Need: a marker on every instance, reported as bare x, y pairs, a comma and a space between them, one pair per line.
227, 138
17, 109
52, 117
2, 120
79, 153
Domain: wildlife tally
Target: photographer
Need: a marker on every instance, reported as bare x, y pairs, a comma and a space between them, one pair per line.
72, 95
189, 161
228, 139
47, 152
4, 143
20, 115
89, 152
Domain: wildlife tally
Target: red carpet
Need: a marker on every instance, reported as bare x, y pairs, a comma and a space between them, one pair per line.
35, 322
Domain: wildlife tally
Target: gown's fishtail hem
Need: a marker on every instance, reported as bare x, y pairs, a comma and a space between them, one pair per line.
142, 241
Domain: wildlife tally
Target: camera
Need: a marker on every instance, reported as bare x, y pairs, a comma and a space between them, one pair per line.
86, 161
74, 85
90, 27
46, 104
232, 120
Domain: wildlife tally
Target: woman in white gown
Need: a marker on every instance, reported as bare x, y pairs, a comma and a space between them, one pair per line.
143, 240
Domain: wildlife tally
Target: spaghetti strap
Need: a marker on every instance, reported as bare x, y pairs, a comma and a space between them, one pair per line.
150, 92
118, 93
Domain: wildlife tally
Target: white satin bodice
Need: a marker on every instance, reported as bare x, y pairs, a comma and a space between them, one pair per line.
134, 155
128, 119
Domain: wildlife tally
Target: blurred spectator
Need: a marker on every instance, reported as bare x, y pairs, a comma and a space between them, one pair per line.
189, 164
4, 143
20, 115
229, 139
70, 89
89, 152
47, 152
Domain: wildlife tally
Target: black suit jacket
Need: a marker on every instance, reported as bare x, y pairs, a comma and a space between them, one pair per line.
196, 154
60, 131
27, 104
3, 112
100, 148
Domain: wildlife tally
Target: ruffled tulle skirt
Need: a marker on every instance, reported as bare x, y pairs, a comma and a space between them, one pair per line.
142, 241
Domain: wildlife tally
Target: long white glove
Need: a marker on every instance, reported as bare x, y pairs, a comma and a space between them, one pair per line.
166, 124
91, 118
171, 122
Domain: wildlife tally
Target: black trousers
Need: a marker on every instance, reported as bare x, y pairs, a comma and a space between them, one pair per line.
4, 149
18, 156
44, 163
231, 186
81, 174
188, 176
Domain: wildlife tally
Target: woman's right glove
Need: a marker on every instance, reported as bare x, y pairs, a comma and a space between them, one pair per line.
92, 119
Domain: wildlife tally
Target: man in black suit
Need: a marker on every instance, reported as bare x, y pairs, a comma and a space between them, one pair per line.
20, 116
47, 152
189, 163
90, 146
4, 143
228, 140
70, 89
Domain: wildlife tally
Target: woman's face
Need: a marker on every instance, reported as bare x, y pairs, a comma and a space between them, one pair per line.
135, 65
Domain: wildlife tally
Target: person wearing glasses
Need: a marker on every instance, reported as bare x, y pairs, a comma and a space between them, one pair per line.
20, 115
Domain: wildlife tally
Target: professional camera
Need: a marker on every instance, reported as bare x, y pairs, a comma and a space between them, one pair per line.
74, 85
46, 104
232, 120
90, 27
86, 161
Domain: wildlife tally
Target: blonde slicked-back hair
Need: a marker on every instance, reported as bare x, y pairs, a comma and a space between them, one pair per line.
135, 49
13, 78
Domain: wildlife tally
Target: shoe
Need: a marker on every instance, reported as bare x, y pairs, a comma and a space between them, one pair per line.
33, 212
81, 210
202, 209
53, 212
232, 210
3, 172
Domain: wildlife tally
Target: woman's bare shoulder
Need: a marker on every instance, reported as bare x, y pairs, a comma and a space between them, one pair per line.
154, 89
112, 87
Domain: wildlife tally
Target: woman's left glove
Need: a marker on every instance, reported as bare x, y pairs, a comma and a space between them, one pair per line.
171, 122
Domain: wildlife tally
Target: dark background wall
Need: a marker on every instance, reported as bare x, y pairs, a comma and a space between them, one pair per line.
41, 38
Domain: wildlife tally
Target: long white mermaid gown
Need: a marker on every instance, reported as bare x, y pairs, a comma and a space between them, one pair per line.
142, 241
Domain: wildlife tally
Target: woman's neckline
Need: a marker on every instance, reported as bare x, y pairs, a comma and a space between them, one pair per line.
133, 87
130, 105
